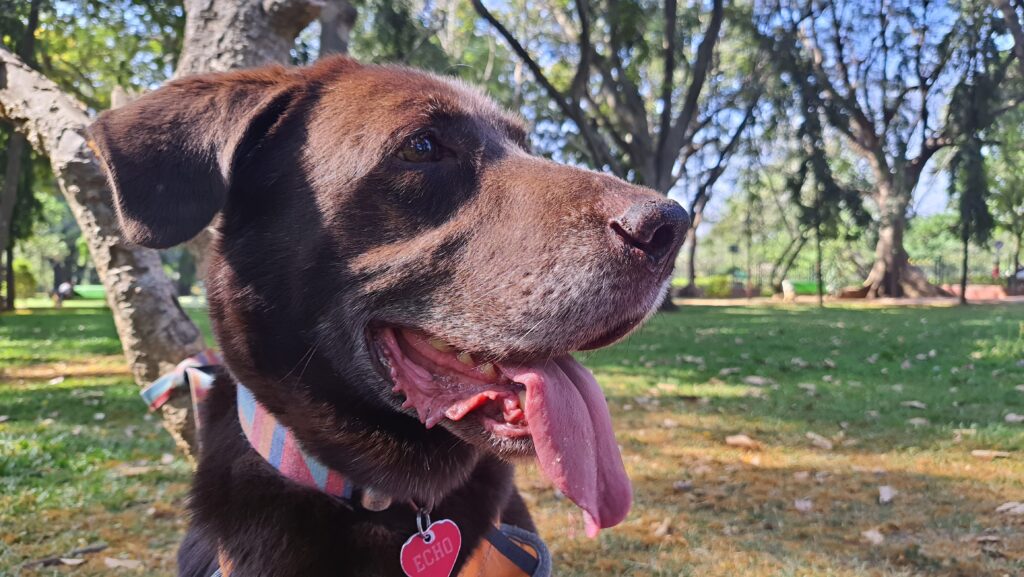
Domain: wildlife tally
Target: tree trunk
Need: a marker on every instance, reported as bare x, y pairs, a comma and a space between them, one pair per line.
965, 238
785, 262
817, 257
155, 332
9, 274
892, 274
9, 194
337, 18
1016, 253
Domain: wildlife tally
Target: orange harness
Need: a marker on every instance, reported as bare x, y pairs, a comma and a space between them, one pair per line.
505, 551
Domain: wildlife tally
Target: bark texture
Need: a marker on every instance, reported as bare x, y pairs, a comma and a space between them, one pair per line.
337, 18
155, 333
223, 35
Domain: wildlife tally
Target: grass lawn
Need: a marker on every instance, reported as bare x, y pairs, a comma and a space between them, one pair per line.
836, 404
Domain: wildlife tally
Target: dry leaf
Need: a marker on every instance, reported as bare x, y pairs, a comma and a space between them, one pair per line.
55, 380
743, 442
758, 381
72, 561
918, 422
905, 364
873, 536
1020, 388
886, 494
728, 371
682, 486
829, 363
99, 416
799, 363
819, 441
4, 418
121, 563
810, 388
989, 455
166, 459
803, 505
914, 405
664, 527
872, 359
1011, 508
669, 424
1014, 418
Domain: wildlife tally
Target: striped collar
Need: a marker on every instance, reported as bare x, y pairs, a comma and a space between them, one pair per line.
279, 447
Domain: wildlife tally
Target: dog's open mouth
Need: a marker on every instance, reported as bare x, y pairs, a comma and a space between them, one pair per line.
554, 401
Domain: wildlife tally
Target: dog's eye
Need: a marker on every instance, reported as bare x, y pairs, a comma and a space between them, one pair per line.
420, 148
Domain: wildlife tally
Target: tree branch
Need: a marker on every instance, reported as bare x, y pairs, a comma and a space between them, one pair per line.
671, 142
596, 145
1013, 24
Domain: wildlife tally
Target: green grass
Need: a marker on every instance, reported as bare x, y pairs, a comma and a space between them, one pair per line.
69, 477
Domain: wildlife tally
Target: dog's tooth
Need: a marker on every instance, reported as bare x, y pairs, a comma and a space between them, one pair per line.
487, 369
522, 399
440, 345
466, 359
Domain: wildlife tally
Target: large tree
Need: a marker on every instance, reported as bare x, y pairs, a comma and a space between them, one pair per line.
880, 75
657, 95
155, 332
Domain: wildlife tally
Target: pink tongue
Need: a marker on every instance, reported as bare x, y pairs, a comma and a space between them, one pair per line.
572, 432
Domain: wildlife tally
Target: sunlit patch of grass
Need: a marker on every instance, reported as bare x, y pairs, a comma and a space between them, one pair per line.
676, 389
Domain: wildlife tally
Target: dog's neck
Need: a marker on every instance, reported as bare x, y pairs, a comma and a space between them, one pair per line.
279, 447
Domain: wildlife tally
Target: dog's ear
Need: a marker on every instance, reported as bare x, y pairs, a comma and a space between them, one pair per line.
169, 156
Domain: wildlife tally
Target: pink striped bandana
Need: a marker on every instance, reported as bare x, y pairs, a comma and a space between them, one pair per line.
279, 447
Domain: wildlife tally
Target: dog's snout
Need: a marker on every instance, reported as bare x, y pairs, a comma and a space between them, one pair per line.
655, 227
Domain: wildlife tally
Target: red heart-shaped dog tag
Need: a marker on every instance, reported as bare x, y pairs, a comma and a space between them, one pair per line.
433, 553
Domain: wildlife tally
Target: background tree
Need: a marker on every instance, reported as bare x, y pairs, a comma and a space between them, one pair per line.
155, 332
1005, 169
1013, 15
879, 75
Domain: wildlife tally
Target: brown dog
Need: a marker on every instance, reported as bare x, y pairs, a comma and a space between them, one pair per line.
399, 283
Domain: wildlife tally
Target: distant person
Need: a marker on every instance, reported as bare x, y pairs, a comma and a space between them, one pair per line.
64, 292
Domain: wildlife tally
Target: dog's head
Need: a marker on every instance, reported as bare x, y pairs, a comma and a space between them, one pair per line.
390, 255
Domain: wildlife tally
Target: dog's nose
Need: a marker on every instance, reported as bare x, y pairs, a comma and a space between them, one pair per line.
656, 227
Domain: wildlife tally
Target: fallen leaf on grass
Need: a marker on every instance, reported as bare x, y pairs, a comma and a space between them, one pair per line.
664, 527
134, 470
819, 441
918, 422
72, 561
121, 563
743, 442
1020, 388
728, 371
886, 494
682, 486
1011, 508
989, 539
810, 388
873, 536
799, 363
669, 424
758, 381
872, 359
4, 418
803, 505
914, 405
1014, 418
989, 455
55, 381
99, 416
